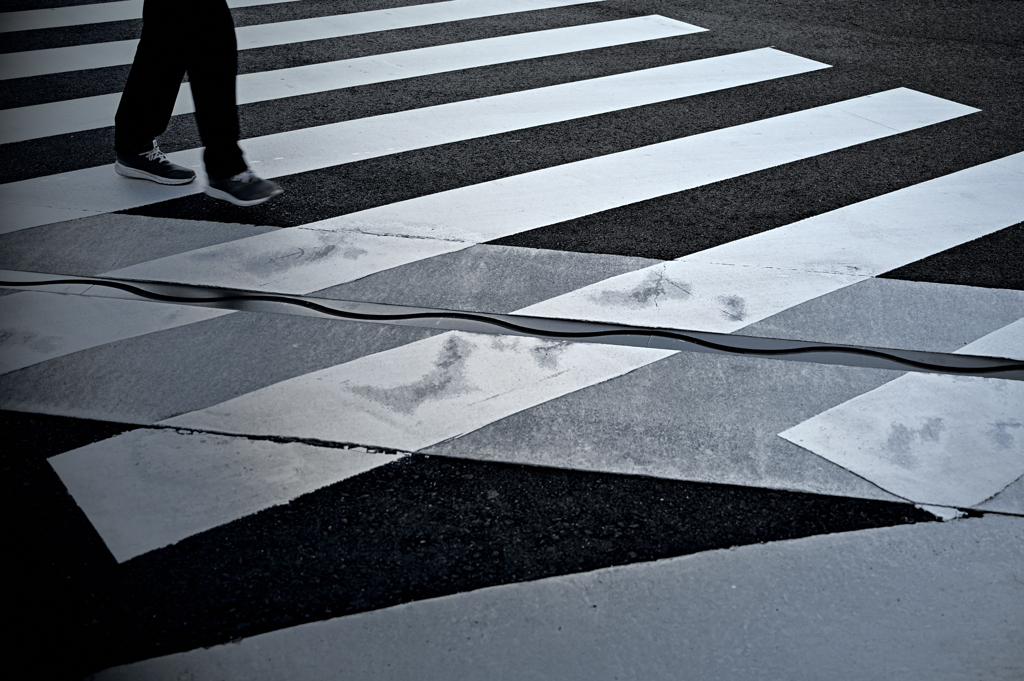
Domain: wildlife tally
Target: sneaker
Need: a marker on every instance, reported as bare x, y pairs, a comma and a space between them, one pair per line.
244, 189
153, 165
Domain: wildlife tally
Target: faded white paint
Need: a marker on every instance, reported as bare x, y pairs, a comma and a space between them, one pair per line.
99, 189
36, 326
87, 113
99, 55
931, 438
146, 489
422, 393
731, 286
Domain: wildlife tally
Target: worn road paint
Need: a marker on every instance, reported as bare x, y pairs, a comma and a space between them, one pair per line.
35, 326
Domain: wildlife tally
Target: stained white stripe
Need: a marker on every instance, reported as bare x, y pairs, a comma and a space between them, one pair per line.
935, 439
35, 327
87, 113
423, 393
98, 55
146, 489
97, 13
296, 151
289, 261
730, 286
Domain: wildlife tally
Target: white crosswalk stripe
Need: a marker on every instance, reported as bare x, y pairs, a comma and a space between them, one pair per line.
30, 203
458, 218
229, 446
117, 53
75, 115
80, 15
734, 285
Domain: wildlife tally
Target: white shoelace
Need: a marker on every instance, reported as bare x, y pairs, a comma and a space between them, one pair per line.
155, 154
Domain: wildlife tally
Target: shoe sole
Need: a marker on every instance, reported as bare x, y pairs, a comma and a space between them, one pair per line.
136, 174
224, 196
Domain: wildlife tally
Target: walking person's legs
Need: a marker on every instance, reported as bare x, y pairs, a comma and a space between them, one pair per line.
197, 37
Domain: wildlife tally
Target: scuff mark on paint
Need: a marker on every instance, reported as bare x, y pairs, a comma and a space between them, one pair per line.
734, 307
902, 438
445, 380
654, 289
547, 354
1000, 434
353, 253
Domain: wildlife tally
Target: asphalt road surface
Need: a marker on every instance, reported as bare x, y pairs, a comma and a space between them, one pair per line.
267, 487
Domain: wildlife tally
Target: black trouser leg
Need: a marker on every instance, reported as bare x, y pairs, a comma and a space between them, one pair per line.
153, 82
197, 36
212, 68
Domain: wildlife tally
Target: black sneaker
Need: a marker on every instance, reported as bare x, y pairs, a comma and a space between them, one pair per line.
153, 165
244, 189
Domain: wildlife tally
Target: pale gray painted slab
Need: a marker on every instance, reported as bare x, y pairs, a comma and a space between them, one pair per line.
87, 113
92, 245
693, 416
931, 438
889, 313
938, 601
485, 278
411, 397
32, 202
36, 326
159, 375
98, 55
146, 489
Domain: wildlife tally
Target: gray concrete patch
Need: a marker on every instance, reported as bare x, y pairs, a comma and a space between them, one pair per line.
692, 416
890, 313
160, 375
484, 278
92, 245
936, 601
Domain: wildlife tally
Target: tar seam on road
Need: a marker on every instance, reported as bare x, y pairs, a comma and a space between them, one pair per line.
957, 364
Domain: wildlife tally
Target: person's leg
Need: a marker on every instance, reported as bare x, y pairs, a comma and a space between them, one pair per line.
156, 75
212, 68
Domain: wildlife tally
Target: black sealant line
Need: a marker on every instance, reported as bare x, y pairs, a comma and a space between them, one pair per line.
957, 364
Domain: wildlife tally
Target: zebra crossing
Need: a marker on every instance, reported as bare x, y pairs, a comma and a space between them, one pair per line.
227, 417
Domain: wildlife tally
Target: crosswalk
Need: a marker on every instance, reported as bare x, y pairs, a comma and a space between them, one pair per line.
232, 414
